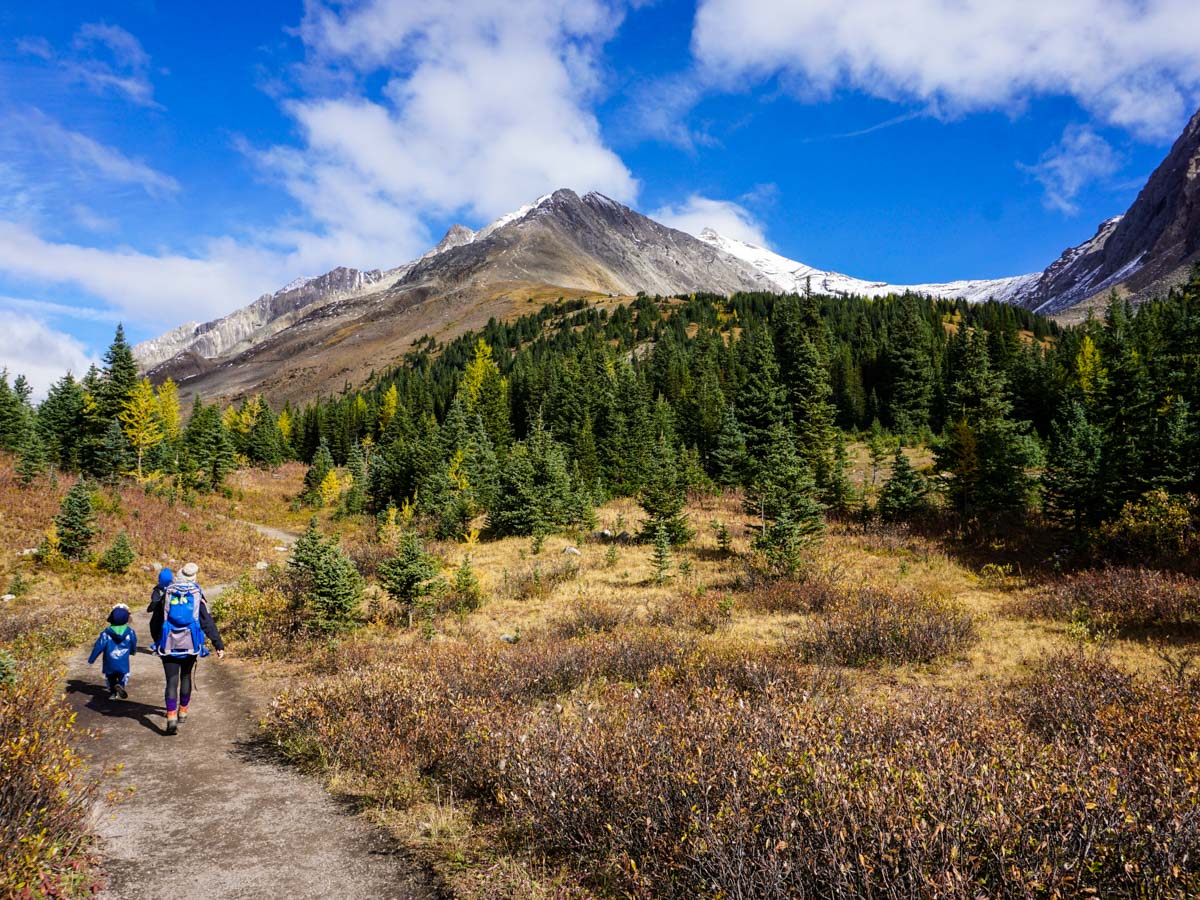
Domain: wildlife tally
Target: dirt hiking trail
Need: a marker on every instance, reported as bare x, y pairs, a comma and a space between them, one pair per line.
208, 815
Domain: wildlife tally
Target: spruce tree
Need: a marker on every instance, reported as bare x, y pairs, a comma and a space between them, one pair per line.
75, 523
317, 473
14, 416
664, 496
661, 557
209, 454
762, 400
325, 581
1072, 484
728, 462
111, 457
410, 575
910, 361
60, 422
32, 460
783, 484
119, 379
355, 500
119, 556
903, 494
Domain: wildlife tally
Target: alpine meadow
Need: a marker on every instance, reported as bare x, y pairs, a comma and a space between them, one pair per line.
594, 552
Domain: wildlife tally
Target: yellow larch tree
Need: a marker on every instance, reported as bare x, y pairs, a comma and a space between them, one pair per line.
139, 416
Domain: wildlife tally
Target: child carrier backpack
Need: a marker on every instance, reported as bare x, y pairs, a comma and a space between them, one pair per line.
182, 634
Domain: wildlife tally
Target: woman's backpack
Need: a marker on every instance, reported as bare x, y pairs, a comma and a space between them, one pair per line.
182, 634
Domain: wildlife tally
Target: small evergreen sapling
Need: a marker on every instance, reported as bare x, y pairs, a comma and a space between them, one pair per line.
325, 583
411, 575
119, 556
75, 523
661, 558
903, 494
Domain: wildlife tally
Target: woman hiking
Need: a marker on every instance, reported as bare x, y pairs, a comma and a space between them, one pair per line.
180, 621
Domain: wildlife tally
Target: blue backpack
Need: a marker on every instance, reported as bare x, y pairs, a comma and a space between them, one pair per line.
182, 634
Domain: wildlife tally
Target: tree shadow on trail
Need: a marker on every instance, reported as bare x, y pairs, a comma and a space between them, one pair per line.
98, 702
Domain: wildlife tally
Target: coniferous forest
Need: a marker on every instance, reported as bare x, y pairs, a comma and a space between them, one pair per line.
534, 422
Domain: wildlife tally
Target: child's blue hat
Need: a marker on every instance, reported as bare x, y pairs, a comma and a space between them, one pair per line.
119, 615
165, 577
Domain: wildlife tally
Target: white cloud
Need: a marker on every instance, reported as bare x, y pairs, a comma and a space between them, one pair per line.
54, 143
41, 354
723, 216
1131, 63
485, 107
162, 289
125, 71
1078, 159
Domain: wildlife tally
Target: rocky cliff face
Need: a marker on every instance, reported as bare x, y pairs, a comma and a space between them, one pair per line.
1141, 253
267, 315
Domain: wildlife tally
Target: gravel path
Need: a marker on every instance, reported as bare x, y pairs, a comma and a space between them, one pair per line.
208, 815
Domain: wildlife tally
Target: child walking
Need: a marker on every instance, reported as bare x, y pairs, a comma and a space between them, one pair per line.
117, 644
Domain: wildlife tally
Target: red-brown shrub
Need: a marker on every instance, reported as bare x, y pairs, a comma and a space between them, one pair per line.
1120, 597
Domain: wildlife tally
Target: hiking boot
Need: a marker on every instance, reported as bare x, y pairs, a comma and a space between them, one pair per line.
182, 714
123, 693
113, 695
172, 724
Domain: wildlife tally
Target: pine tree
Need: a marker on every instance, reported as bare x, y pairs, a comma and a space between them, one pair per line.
728, 461
410, 575
664, 496
32, 461
14, 418
75, 523
912, 369
326, 582
903, 494
140, 417
119, 379
838, 495
119, 556
1072, 485
661, 557
317, 474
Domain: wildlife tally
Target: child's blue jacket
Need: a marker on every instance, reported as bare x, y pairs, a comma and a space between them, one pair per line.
118, 650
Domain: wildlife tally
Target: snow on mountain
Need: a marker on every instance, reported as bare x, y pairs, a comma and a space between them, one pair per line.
792, 276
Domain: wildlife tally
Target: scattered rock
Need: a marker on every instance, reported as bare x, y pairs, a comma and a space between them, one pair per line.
510, 638
284, 549
624, 538
8, 597
262, 565
603, 535
29, 551
146, 567
572, 551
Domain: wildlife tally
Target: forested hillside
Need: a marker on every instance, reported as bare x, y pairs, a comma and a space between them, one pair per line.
534, 421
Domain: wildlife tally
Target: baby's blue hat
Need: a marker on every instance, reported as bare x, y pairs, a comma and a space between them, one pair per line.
165, 577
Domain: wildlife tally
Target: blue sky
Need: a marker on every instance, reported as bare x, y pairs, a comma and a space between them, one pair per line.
166, 162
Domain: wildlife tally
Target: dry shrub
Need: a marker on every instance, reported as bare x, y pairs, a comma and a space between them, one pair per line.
1067, 692
45, 794
871, 625
699, 609
655, 769
537, 582
1119, 597
589, 616
686, 793
812, 591
258, 618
